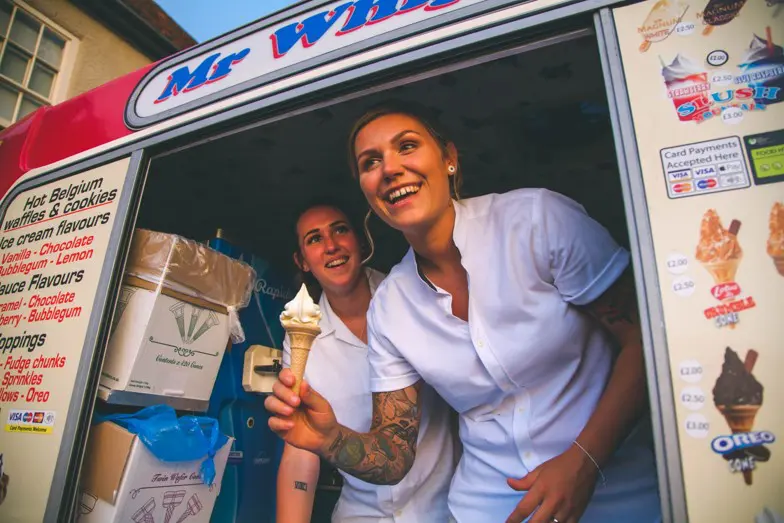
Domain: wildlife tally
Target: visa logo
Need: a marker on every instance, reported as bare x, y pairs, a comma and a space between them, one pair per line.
705, 171
679, 175
15, 416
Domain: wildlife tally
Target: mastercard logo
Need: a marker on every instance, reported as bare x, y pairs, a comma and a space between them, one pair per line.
680, 188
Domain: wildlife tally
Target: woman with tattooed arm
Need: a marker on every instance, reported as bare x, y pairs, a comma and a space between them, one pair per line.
519, 310
329, 252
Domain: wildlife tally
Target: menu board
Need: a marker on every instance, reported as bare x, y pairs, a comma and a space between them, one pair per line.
53, 240
706, 87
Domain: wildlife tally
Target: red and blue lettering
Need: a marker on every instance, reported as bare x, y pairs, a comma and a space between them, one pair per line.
210, 70
361, 13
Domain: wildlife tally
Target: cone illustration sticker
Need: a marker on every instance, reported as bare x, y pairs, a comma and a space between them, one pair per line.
211, 321
738, 397
178, 309
144, 514
195, 314
126, 293
171, 500
194, 507
720, 254
776, 238
300, 319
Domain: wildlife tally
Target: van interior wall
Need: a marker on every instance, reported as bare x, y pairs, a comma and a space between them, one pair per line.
535, 119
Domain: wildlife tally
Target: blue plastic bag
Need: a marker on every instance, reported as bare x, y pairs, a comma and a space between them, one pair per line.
171, 439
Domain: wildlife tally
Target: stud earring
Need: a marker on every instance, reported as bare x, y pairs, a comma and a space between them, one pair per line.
451, 169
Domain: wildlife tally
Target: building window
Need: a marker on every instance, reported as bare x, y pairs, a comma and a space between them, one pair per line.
31, 61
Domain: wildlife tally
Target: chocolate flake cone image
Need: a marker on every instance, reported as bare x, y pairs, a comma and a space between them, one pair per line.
300, 319
776, 238
738, 395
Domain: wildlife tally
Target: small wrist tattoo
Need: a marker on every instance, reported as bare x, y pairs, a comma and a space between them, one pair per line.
301, 485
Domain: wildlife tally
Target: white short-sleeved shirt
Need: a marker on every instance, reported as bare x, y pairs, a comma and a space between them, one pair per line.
339, 370
528, 368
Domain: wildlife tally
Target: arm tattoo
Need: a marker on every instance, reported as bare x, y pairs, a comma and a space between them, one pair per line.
384, 455
301, 485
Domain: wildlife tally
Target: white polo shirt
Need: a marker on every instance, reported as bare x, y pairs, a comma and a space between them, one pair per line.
338, 369
528, 368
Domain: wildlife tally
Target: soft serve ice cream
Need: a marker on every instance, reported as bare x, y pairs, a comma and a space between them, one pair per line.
300, 318
719, 250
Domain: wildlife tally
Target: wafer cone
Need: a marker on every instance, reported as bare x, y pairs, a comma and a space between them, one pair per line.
723, 271
740, 418
301, 338
779, 262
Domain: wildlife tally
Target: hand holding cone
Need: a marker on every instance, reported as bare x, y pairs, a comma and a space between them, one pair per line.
300, 319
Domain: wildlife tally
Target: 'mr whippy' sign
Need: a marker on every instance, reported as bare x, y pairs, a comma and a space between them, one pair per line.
273, 51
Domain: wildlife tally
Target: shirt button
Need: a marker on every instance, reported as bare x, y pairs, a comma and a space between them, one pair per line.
480, 343
398, 513
520, 409
527, 455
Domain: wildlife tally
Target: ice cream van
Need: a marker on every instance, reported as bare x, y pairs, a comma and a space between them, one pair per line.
663, 118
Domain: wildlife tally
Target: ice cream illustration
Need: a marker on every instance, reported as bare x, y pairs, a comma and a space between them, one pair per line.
210, 322
776, 237
300, 318
718, 249
144, 514
762, 68
171, 500
768, 516
738, 396
194, 507
664, 16
688, 87
178, 309
195, 313
126, 293
720, 12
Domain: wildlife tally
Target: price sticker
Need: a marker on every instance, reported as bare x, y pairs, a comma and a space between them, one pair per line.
693, 398
721, 78
685, 28
690, 371
732, 116
677, 263
683, 286
697, 426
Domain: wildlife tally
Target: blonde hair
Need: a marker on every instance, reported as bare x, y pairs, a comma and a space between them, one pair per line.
417, 113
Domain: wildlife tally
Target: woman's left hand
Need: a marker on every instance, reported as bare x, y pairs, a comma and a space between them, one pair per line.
558, 489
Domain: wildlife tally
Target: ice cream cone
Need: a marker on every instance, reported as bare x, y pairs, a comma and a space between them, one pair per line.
301, 339
723, 271
779, 262
740, 418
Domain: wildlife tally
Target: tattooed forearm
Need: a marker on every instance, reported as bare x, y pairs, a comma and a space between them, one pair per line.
301, 485
385, 454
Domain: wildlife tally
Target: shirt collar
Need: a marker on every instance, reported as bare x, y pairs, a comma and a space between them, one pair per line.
330, 322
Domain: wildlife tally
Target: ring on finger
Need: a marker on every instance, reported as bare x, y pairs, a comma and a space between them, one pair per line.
555, 520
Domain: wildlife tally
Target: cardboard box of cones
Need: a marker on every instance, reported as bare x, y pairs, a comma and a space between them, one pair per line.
124, 483
173, 321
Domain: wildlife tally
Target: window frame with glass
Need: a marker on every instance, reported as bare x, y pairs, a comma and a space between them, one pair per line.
35, 57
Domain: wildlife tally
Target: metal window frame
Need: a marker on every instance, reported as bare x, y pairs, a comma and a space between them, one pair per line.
657, 359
